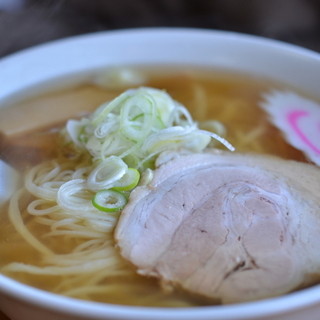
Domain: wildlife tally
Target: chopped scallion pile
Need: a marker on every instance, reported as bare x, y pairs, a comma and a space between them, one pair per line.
125, 136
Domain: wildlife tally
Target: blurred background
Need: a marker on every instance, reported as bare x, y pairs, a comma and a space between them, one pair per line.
24, 23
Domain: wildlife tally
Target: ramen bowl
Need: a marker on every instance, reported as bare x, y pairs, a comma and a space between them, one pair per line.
74, 60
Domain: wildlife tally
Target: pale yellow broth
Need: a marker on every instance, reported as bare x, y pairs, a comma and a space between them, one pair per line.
31, 134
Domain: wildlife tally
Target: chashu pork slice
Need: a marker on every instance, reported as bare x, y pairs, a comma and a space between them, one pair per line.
227, 226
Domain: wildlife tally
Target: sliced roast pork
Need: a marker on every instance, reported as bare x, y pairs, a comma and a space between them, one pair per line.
227, 226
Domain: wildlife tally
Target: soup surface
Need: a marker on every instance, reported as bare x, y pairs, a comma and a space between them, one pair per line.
30, 135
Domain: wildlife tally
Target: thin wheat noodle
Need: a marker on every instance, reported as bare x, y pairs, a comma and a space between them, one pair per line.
17, 220
87, 267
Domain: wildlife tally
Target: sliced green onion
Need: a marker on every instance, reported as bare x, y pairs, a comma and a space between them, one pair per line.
106, 173
215, 136
76, 130
128, 181
140, 115
139, 128
137, 125
102, 112
109, 200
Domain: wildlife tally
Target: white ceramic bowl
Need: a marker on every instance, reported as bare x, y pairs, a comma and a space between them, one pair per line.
74, 59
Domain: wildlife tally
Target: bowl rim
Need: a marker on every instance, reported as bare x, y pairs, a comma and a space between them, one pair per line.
180, 30
24, 57
84, 309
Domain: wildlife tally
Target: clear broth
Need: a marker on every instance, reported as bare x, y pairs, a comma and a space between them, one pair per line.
231, 99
